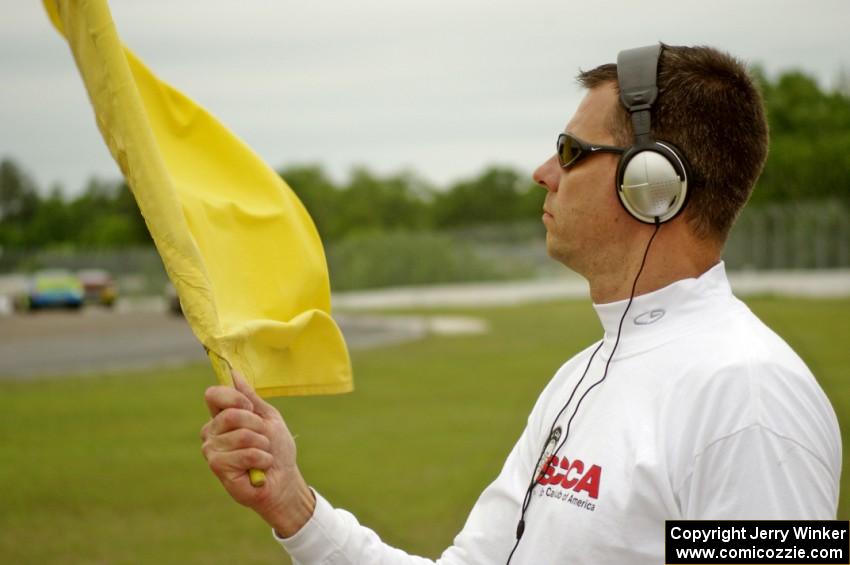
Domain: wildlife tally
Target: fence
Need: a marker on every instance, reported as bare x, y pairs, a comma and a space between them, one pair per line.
800, 235
792, 236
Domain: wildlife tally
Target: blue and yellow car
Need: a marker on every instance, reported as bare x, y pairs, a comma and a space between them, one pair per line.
55, 289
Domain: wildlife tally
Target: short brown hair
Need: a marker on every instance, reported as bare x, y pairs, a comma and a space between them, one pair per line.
710, 108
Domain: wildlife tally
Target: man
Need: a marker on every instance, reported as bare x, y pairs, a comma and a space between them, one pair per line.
689, 408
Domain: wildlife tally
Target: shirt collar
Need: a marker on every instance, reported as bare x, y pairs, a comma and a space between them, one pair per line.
663, 313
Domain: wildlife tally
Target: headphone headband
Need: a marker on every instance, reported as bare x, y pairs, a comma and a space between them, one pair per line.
637, 70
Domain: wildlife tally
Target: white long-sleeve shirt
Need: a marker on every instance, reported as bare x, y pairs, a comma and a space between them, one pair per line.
705, 413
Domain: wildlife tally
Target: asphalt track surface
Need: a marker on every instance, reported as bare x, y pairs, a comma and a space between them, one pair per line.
93, 340
96, 340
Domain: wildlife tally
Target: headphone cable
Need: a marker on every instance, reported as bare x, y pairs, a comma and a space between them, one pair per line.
535, 477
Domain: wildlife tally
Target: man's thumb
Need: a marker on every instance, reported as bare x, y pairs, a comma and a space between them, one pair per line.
261, 407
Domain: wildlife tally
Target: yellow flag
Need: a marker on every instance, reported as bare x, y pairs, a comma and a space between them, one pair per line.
241, 250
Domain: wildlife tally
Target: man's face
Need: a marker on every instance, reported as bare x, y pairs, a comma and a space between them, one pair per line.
585, 223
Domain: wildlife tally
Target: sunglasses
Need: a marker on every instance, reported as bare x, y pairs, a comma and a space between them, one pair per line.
572, 149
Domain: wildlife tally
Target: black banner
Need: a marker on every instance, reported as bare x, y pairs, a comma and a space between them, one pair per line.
762, 542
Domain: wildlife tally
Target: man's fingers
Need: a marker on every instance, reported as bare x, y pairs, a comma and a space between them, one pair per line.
229, 465
239, 439
219, 398
233, 419
261, 407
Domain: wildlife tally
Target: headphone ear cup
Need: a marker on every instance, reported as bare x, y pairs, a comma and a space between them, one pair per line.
652, 184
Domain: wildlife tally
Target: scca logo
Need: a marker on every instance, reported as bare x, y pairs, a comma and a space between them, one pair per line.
574, 477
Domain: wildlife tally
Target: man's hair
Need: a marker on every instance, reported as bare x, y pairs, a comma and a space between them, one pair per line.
710, 108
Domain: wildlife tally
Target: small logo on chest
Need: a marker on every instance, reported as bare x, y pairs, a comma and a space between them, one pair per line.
649, 317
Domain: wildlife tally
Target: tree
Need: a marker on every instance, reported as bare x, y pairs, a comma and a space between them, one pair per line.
52, 224
125, 206
19, 203
494, 196
395, 202
318, 194
105, 215
809, 154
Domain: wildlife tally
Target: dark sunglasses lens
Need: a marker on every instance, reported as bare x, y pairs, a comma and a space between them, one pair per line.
568, 150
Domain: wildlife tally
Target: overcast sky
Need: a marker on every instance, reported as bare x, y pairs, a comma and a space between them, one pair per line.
443, 87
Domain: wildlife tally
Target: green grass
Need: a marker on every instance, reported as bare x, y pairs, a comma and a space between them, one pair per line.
108, 469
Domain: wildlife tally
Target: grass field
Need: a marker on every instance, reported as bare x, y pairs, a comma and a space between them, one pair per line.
107, 469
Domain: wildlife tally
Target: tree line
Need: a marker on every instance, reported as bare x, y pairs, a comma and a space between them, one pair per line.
809, 160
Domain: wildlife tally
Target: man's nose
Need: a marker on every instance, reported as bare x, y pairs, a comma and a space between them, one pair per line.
548, 174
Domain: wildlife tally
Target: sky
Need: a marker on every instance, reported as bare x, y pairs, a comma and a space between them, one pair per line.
440, 87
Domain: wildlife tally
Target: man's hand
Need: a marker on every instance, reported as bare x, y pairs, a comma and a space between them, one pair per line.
246, 432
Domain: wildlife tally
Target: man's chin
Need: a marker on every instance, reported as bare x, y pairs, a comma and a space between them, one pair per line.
555, 251
561, 252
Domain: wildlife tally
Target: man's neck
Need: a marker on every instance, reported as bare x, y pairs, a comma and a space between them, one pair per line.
664, 266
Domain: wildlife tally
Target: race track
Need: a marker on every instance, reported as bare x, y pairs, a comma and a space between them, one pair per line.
96, 340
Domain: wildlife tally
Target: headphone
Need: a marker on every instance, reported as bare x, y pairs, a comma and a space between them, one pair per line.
652, 175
